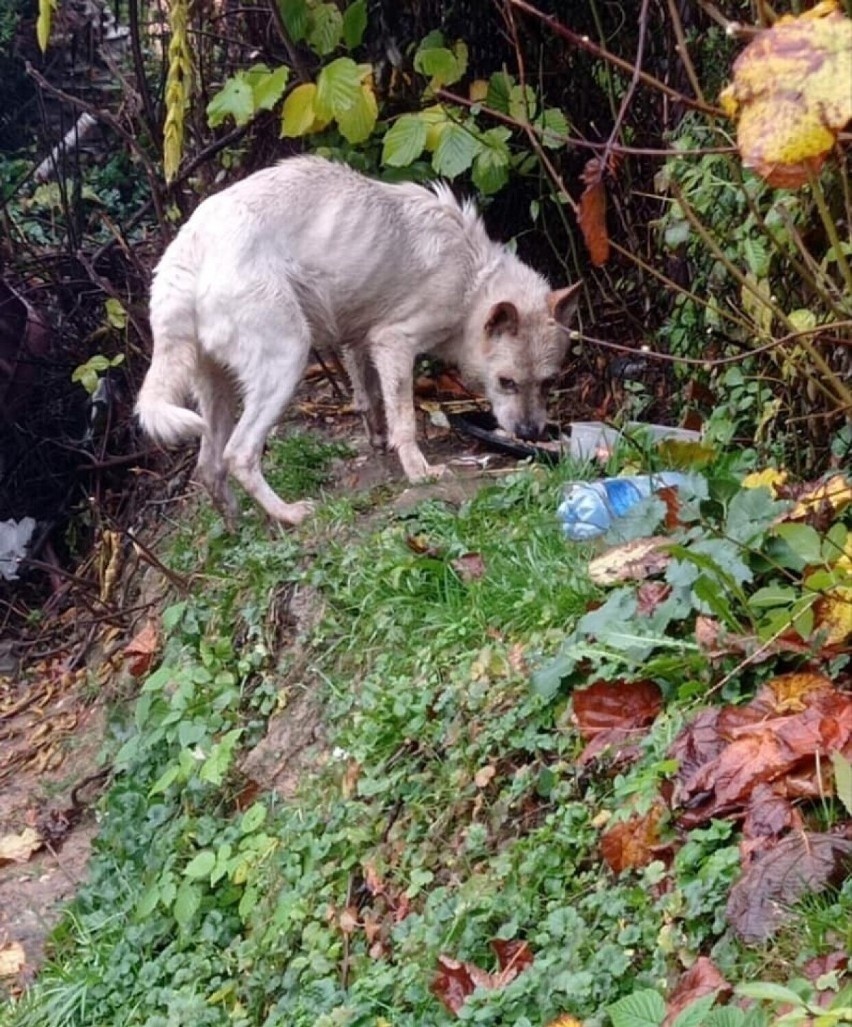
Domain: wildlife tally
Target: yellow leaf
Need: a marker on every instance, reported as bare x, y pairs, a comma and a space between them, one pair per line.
298, 113
836, 493
769, 477
791, 92
833, 615
565, 1021
478, 90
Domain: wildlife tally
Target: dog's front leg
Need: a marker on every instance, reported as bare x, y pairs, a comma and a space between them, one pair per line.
393, 351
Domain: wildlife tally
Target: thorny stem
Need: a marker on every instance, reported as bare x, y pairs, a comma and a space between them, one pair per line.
839, 388
584, 43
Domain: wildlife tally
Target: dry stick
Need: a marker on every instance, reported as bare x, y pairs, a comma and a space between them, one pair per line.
584, 43
628, 96
118, 128
139, 69
830, 229
583, 144
683, 50
531, 134
840, 390
709, 362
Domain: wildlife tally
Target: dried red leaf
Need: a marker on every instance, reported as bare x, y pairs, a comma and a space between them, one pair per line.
512, 955
591, 214
829, 963
629, 705
768, 814
469, 567
631, 844
702, 978
649, 595
798, 865
452, 983
142, 648
455, 980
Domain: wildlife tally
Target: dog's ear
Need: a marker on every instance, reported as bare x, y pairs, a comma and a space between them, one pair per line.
563, 303
502, 319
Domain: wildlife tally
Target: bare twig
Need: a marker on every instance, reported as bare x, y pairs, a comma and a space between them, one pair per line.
108, 119
584, 43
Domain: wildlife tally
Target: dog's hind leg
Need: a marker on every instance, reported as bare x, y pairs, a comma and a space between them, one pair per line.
366, 393
215, 392
278, 351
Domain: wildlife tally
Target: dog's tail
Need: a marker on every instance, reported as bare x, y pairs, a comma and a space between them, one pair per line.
168, 382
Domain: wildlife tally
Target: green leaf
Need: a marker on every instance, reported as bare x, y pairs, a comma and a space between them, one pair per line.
167, 778
695, 1015
522, 103
295, 16
554, 128
325, 28
499, 89
148, 901
491, 164
756, 253
234, 100
216, 765
201, 865
766, 991
771, 596
404, 141
455, 151
802, 319
804, 540
338, 88
358, 121
842, 779
253, 817
726, 1016
267, 89
354, 23
116, 315
440, 65
750, 512
641, 1009
187, 903
299, 112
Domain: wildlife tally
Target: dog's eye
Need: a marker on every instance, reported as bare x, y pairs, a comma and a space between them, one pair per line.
508, 384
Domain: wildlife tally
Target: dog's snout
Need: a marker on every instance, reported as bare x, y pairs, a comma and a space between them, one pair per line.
529, 431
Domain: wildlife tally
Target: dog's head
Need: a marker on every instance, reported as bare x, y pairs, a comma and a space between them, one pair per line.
522, 354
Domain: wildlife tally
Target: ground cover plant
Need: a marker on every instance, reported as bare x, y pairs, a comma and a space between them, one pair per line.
542, 778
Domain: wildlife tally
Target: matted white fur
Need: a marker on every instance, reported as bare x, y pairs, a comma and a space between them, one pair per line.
312, 253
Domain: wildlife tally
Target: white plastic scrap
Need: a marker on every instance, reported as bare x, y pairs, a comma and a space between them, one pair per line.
14, 538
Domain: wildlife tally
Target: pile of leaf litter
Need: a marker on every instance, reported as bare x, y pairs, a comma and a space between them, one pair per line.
540, 783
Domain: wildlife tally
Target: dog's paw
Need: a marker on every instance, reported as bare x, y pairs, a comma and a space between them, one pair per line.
293, 514
430, 472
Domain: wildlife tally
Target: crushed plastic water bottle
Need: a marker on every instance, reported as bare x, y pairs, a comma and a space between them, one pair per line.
588, 508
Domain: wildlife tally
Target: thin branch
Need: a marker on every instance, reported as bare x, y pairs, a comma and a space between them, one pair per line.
584, 43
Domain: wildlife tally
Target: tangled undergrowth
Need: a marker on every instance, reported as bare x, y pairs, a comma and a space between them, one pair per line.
456, 811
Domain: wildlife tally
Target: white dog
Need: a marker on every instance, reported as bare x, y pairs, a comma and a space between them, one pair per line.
311, 253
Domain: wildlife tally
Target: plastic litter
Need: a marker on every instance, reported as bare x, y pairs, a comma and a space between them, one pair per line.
588, 508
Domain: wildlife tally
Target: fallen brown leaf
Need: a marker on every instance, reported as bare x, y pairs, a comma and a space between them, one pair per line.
469, 567
591, 213
630, 705
455, 981
798, 865
142, 648
633, 561
17, 848
13, 959
631, 843
702, 978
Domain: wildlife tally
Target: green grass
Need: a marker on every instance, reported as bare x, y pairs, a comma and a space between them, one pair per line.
449, 810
